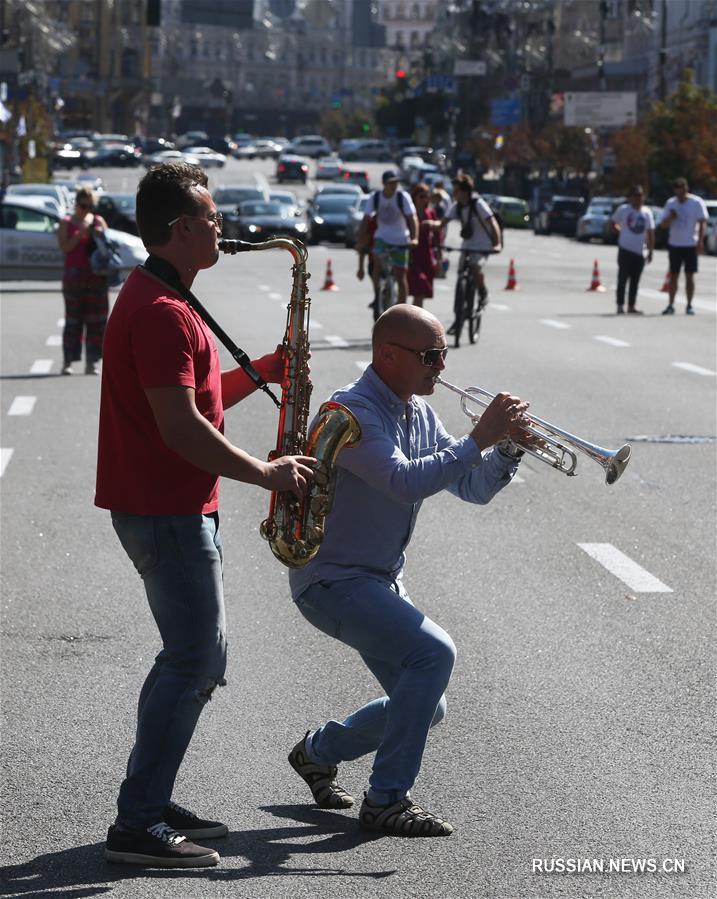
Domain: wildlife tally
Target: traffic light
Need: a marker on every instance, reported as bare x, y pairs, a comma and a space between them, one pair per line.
365, 127
401, 74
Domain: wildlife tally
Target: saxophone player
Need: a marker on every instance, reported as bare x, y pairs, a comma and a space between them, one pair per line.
161, 453
353, 590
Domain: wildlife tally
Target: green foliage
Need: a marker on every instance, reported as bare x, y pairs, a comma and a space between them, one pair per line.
336, 124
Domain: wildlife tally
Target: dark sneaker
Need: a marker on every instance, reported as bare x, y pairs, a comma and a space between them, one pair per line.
668, 310
192, 826
157, 847
620, 310
403, 819
92, 368
690, 310
320, 778
633, 311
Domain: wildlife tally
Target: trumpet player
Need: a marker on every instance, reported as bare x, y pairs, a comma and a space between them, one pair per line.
161, 452
353, 590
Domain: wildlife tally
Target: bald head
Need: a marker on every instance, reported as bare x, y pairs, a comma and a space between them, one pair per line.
405, 324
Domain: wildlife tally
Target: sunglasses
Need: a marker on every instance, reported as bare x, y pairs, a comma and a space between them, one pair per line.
429, 358
216, 218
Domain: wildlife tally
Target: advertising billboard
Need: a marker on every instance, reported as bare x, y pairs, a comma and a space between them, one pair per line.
601, 109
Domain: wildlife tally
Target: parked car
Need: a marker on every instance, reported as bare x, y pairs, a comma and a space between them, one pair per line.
312, 145
329, 216
119, 211
261, 219
227, 198
328, 168
513, 212
357, 177
711, 228
208, 158
596, 222
63, 197
369, 150
29, 249
560, 215
292, 168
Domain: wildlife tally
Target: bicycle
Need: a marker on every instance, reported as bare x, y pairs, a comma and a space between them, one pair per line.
464, 305
387, 291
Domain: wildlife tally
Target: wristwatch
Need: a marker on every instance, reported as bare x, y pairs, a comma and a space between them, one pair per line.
510, 449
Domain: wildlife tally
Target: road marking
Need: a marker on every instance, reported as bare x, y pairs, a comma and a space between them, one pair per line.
363, 364
624, 568
276, 296
5, 455
663, 295
54, 340
612, 341
22, 405
500, 307
517, 479
264, 287
315, 324
695, 369
336, 341
41, 367
551, 323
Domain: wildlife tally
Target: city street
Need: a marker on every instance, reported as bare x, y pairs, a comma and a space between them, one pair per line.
580, 718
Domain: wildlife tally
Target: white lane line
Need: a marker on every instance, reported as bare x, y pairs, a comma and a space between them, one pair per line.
60, 322
501, 308
264, 287
551, 323
517, 479
22, 405
695, 369
624, 568
611, 341
276, 296
336, 341
363, 364
54, 340
5, 455
315, 324
41, 366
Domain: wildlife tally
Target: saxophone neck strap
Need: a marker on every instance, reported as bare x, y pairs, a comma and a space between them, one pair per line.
166, 272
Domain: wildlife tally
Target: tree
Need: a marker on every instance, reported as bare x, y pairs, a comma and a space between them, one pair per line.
337, 124
567, 149
631, 149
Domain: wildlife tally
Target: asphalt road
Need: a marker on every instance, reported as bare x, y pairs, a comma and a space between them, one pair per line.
581, 710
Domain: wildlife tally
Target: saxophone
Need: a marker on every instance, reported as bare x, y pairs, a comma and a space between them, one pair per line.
295, 528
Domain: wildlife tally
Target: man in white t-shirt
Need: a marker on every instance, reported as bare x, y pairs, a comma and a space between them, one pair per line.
686, 216
396, 230
636, 226
479, 231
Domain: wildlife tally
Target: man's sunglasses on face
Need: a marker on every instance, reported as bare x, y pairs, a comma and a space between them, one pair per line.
429, 358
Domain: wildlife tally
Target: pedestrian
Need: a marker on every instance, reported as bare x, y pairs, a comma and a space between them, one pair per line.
635, 225
84, 292
422, 260
685, 215
161, 452
364, 248
441, 202
480, 233
396, 230
353, 590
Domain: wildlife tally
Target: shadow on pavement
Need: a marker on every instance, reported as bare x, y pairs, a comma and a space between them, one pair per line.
81, 871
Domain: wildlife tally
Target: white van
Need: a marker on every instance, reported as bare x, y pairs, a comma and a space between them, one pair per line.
312, 145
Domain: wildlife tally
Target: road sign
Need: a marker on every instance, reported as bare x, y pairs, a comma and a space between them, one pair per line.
470, 67
505, 111
601, 109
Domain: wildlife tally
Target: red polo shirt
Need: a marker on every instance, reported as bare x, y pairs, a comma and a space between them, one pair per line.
153, 339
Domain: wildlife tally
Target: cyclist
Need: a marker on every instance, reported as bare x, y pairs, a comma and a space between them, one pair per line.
396, 230
480, 232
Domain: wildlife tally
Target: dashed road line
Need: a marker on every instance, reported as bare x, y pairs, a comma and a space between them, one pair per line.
54, 340
551, 323
314, 324
501, 307
41, 366
695, 369
22, 405
611, 341
264, 287
336, 341
5, 456
276, 296
624, 568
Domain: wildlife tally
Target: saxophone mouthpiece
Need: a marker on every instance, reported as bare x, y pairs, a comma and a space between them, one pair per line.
235, 246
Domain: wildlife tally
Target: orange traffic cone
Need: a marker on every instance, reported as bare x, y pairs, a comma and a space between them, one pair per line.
595, 283
329, 282
666, 283
512, 283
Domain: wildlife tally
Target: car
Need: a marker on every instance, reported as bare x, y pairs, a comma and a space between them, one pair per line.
153, 144
111, 154
357, 177
311, 145
192, 138
513, 212
287, 198
407, 164
261, 219
329, 216
560, 215
29, 249
710, 228
64, 199
223, 145
328, 168
227, 198
119, 211
168, 156
266, 149
595, 220
425, 153
337, 187
292, 168
369, 150
419, 172
208, 158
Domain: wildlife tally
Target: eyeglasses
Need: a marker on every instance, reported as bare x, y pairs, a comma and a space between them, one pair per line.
429, 358
216, 218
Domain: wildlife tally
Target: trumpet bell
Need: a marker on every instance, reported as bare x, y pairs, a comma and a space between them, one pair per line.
617, 463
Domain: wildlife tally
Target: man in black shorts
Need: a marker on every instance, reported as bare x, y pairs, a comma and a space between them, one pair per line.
685, 215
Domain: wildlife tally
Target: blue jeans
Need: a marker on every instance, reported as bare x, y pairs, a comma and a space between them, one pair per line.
411, 657
179, 558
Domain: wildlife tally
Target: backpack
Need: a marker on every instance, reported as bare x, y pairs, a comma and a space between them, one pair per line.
467, 227
399, 195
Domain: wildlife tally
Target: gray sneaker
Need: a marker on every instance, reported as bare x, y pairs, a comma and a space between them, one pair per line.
403, 819
320, 778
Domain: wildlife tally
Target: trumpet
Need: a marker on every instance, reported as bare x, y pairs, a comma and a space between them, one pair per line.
555, 447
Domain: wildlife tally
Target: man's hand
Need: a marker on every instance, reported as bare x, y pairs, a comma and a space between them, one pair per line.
290, 473
271, 366
501, 419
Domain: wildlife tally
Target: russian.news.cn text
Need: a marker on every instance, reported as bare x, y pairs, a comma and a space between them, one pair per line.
622, 865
